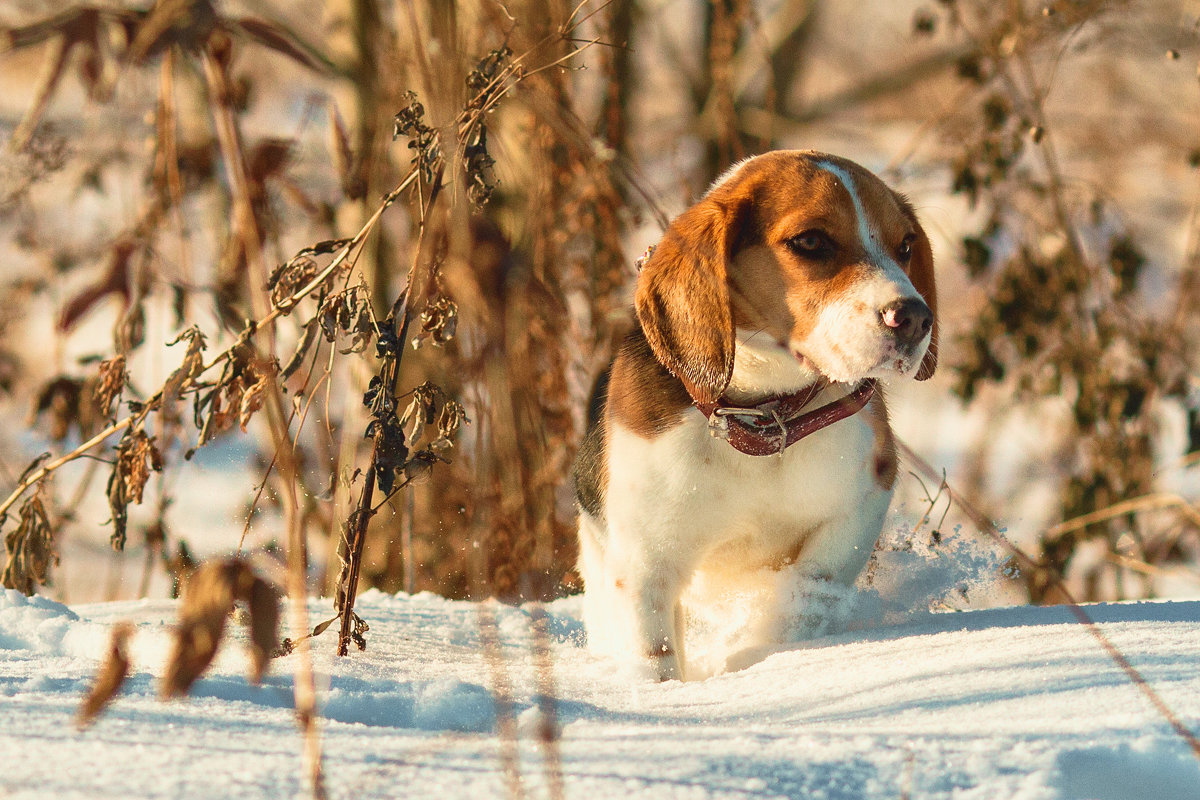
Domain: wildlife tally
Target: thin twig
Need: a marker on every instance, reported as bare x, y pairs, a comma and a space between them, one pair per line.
988, 528
1148, 502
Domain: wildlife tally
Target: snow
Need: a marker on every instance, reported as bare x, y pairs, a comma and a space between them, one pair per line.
1014, 702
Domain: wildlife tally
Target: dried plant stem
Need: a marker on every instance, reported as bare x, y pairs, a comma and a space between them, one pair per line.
230, 143
548, 733
167, 124
906, 777
1149, 502
279, 310
304, 683
1036, 99
506, 720
354, 550
49, 467
348, 589
52, 70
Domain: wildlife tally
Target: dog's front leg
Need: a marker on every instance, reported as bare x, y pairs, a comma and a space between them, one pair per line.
654, 591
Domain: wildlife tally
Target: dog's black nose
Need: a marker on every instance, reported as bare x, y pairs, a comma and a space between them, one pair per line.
910, 319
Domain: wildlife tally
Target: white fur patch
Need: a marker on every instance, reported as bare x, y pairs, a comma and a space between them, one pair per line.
685, 507
763, 367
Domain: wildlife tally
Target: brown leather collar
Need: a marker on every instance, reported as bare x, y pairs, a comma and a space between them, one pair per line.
773, 425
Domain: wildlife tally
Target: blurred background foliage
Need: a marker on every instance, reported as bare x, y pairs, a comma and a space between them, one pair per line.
161, 162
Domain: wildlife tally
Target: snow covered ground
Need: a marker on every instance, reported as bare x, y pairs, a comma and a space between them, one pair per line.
1000, 703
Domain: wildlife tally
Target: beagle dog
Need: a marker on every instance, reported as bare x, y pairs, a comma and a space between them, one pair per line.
741, 426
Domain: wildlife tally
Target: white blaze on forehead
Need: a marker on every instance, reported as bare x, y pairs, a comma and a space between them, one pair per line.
866, 232
868, 235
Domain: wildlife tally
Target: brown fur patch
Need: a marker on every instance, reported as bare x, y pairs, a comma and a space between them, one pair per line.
682, 298
886, 461
642, 395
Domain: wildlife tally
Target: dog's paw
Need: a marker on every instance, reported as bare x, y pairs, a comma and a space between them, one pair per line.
664, 664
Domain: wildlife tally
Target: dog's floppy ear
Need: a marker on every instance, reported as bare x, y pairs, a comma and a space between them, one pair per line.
682, 298
920, 272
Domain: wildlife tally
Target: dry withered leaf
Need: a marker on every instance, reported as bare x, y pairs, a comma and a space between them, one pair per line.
114, 280
282, 40
79, 35
30, 548
66, 402
253, 395
349, 312
345, 165
207, 603
118, 507
439, 321
288, 646
109, 678
289, 277
264, 626
422, 410
136, 457
238, 394
302, 347
193, 362
418, 468
451, 419
110, 382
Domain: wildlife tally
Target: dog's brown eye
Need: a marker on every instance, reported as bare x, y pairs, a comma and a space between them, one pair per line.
812, 244
904, 252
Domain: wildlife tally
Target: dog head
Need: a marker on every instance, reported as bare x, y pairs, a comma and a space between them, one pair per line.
794, 266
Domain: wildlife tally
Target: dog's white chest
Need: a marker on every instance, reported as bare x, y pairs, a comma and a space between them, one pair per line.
695, 492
